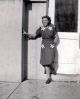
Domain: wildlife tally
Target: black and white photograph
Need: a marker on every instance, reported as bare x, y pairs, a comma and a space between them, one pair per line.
39, 49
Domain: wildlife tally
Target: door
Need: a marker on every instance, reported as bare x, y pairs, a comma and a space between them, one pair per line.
32, 20
64, 14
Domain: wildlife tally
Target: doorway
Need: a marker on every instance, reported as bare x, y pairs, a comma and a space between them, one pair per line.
32, 16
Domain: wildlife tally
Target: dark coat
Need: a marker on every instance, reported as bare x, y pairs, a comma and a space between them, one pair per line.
47, 47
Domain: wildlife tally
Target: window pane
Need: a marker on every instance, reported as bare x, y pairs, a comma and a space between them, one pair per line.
66, 13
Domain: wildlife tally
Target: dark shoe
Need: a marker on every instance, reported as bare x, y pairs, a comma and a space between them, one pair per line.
48, 81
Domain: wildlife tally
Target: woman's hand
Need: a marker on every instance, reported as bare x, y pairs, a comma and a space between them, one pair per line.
29, 36
25, 33
56, 40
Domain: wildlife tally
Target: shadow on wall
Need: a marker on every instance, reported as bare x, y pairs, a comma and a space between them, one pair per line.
24, 69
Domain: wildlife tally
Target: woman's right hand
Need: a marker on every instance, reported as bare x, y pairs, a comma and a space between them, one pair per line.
25, 33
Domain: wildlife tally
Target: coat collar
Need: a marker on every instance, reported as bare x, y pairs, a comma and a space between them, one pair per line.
48, 27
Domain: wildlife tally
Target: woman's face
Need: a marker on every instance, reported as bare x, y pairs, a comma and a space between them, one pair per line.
45, 22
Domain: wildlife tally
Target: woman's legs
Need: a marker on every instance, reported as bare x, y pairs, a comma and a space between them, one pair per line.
48, 74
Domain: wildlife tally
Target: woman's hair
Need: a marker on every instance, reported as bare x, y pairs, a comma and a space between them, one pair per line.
49, 19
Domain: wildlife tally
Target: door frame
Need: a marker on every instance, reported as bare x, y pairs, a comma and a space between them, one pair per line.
25, 19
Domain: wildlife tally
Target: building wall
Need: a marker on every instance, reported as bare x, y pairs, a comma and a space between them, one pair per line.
20, 59
12, 45
10, 40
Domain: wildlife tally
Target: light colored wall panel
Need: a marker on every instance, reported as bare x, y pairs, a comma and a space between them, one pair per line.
10, 40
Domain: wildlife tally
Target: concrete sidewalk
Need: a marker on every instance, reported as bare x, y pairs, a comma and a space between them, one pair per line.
7, 88
37, 89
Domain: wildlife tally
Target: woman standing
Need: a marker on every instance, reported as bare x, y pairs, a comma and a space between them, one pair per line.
49, 39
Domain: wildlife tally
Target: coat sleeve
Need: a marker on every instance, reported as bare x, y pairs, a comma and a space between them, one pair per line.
36, 35
55, 30
56, 37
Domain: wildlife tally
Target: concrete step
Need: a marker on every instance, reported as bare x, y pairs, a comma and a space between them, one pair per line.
66, 77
